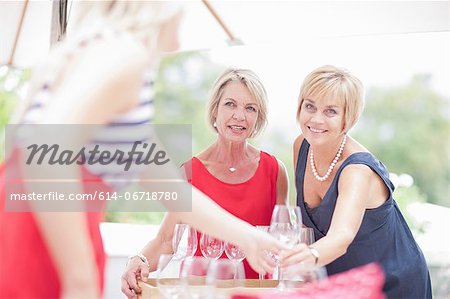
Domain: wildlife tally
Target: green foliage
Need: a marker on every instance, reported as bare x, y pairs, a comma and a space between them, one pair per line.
405, 196
181, 92
276, 143
135, 217
408, 128
11, 82
182, 89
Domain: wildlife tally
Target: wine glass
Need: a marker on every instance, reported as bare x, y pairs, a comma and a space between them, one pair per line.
224, 273
297, 275
307, 235
193, 274
167, 276
264, 228
184, 241
236, 255
211, 247
285, 226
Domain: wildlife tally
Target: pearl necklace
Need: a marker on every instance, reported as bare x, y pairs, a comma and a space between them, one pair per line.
330, 169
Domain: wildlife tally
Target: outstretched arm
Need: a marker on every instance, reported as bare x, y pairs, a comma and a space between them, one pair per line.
210, 218
355, 184
137, 269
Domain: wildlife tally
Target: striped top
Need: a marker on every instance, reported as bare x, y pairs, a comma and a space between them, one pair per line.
120, 134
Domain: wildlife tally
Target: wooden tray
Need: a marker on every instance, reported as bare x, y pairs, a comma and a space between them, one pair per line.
252, 286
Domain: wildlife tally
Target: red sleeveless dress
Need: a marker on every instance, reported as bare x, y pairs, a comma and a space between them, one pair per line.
26, 266
252, 201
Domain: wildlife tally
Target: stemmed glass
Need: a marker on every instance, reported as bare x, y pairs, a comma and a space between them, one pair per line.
234, 253
184, 241
224, 273
236, 256
264, 228
298, 275
285, 226
307, 235
211, 247
193, 275
167, 277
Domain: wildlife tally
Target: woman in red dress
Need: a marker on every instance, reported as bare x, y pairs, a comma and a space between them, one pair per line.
245, 181
95, 77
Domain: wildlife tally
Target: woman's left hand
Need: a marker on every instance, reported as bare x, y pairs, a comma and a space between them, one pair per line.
297, 254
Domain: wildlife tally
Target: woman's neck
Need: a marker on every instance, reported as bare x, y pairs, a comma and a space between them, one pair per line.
325, 153
231, 153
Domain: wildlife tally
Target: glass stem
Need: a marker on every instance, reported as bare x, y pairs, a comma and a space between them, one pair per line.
281, 285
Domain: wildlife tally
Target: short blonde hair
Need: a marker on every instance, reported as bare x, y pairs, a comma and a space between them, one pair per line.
338, 83
254, 85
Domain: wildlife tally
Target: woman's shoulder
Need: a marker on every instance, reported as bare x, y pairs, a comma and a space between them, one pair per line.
298, 140
204, 155
271, 163
361, 162
186, 168
298, 143
356, 153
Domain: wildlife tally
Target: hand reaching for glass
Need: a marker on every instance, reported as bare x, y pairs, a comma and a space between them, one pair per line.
285, 225
256, 245
300, 253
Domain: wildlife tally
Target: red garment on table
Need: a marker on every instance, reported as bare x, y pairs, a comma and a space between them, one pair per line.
365, 282
26, 267
252, 200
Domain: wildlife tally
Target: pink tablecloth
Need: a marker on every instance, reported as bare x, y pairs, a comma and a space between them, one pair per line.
365, 282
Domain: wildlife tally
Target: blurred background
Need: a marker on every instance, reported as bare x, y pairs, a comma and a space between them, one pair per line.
400, 50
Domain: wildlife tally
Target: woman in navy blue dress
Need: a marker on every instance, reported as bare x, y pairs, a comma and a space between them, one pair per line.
345, 193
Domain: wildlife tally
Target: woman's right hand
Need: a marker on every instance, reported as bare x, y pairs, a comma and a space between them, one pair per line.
257, 247
135, 269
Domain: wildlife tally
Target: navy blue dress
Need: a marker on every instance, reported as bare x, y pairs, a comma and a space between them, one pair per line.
383, 237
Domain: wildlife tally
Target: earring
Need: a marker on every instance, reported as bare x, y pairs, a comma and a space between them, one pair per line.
214, 125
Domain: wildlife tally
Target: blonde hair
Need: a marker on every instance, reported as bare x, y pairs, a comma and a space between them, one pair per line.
254, 85
337, 83
142, 19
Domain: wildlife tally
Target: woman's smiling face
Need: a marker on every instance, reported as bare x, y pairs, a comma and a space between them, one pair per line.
322, 119
237, 112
